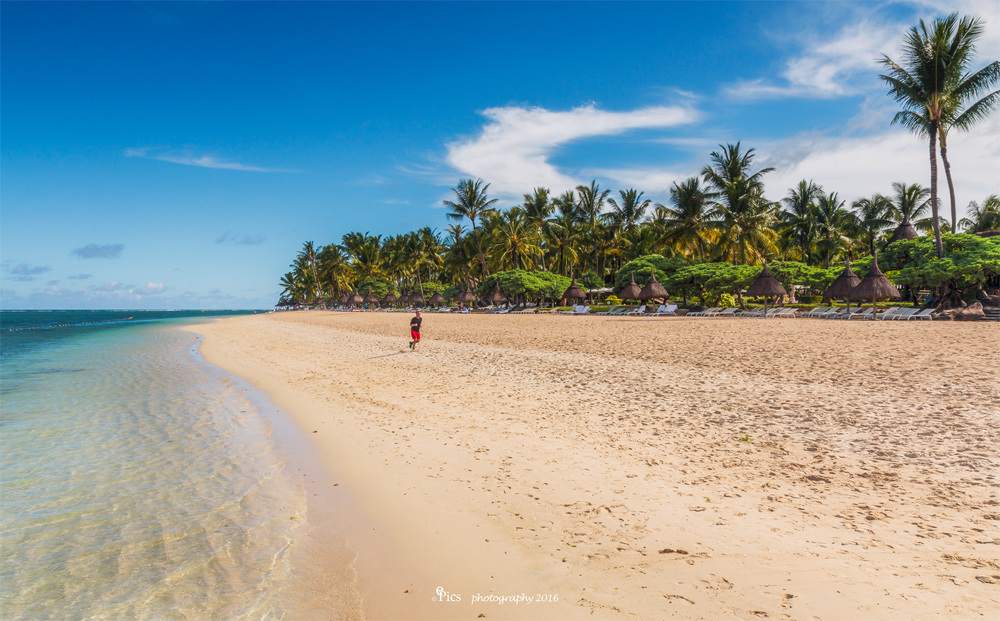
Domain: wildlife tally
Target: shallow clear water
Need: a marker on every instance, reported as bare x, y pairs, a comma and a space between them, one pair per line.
139, 482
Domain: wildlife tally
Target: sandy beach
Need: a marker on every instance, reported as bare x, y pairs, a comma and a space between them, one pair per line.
637, 468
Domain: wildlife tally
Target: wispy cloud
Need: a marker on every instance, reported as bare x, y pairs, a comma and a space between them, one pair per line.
27, 270
186, 158
230, 237
79, 276
94, 251
827, 67
514, 148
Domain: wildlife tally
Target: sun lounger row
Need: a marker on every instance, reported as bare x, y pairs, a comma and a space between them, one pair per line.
825, 312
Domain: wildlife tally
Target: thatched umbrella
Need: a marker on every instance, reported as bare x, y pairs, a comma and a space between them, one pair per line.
355, 299
343, 298
845, 283
390, 298
370, 299
904, 231
653, 289
497, 296
631, 290
465, 296
874, 286
765, 285
416, 299
574, 292
437, 299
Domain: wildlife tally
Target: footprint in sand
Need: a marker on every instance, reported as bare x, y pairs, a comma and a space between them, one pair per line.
677, 598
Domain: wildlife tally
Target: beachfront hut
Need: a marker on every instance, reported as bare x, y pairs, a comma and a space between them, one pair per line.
631, 291
355, 299
874, 286
416, 299
390, 299
343, 298
904, 231
437, 299
574, 292
653, 288
466, 297
497, 296
766, 285
845, 283
370, 299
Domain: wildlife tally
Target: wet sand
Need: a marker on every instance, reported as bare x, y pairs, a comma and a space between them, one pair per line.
648, 468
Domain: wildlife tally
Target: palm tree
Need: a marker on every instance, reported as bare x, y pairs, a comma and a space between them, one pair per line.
743, 215
630, 211
908, 203
308, 255
472, 203
685, 225
590, 203
332, 267
563, 235
931, 84
872, 218
832, 220
799, 217
984, 218
538, 209
513, 242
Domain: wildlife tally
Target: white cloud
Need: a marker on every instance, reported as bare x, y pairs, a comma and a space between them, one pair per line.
201, 161
513, 150
151, 288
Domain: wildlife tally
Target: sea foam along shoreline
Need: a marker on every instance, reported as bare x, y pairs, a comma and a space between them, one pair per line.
657, 468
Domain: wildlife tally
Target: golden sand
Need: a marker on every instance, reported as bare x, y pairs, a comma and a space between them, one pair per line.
649, 468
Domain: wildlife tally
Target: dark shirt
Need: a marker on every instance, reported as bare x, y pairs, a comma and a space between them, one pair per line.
415, 323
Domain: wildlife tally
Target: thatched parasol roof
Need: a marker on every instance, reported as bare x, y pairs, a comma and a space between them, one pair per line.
343, 298
766, 284
437, 298
355, 298
875, 285
574, 292
497, 296
390, 298
416, 299
370, 299
466, 296
904, 231
653, 289
845, 283
631, 290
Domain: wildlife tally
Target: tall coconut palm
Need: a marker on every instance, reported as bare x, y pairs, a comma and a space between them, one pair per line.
590, 200
538, 208
799, 218
931, 85
686, 225
332, 268
562, 235
472, 203
908, 203
513, 241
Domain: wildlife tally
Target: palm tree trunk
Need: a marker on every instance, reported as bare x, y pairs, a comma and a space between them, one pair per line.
934, 180
479, 246
951, 185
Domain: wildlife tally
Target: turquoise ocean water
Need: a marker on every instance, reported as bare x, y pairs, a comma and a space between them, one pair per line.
139, 482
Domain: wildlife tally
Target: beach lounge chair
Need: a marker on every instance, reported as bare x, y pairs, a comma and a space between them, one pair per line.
865, 314
887, 312
906, 313
637, 311
726, 312
666, 310
924, 314
702, 313
816, 312
581, 310
609, 311
757, 312
785, 313
834, 310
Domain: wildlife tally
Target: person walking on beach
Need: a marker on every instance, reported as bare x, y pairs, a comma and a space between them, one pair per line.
415, 330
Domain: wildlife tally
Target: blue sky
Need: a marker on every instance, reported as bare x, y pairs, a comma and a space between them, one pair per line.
176, 155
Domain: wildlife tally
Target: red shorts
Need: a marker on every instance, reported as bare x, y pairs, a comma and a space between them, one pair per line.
415, 335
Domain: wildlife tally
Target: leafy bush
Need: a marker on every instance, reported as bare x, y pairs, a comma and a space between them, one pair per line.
726, 301
534, 286
591, 280
640, 267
